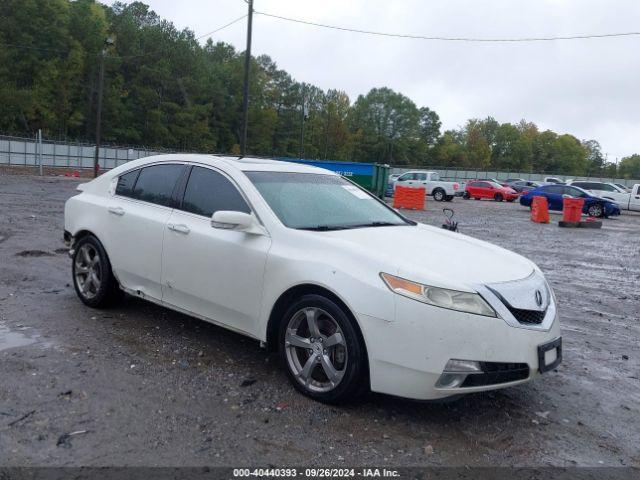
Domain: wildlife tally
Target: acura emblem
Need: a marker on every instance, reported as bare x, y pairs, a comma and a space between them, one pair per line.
539, 298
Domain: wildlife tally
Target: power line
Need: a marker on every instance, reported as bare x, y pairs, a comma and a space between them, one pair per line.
446, 39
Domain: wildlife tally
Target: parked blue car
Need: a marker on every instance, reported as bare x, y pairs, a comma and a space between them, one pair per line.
593, 205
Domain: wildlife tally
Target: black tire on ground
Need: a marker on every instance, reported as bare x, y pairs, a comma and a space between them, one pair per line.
596, 210
353, 372
476, 198
92, 276
439, 195
498, 197
448, 198
510, 200
466, 195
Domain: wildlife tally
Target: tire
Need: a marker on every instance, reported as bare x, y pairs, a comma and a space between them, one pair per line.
511, 200
596, 210
346, 360
466, 195
439, 195
448, 198
93, 279
498, 197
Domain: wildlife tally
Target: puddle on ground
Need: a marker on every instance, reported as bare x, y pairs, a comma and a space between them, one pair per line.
10, 339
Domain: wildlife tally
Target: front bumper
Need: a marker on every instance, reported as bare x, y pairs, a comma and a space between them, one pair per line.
408, 355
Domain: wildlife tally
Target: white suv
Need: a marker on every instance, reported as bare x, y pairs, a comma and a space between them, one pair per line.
604, 190
353, 295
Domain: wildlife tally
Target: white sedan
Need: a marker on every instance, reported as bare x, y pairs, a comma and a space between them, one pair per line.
354, 296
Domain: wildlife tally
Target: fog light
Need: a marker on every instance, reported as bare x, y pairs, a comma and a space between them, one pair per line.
451, 380
456, 371
468, 366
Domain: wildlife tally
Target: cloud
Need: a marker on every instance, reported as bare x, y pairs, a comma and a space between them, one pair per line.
588, 88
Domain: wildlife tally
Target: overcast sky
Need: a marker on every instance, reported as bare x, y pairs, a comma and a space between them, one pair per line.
589, 88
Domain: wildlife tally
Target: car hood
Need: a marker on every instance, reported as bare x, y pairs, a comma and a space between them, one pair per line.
434, 256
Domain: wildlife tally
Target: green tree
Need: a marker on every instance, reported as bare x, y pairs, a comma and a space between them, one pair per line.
630, 166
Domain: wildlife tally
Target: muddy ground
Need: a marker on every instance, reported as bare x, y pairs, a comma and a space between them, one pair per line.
146, 386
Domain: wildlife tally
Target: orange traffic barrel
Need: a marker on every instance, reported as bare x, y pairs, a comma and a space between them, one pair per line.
572, 209
540, 210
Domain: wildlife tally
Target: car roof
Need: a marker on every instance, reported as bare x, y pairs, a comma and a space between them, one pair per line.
246, 164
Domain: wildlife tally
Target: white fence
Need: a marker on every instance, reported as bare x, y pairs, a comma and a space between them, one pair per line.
24, 152
460, 175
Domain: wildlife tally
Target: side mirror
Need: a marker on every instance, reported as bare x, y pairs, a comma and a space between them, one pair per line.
231, 220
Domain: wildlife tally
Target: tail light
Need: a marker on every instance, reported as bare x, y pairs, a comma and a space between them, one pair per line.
455, 186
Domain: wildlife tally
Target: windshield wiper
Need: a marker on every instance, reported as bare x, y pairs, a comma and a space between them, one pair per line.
377, 224
323, 228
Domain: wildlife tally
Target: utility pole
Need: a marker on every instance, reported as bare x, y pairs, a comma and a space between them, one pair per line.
302, 123
96, 166
245, 97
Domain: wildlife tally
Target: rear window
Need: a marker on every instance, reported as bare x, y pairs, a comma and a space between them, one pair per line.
126, 183
156, 183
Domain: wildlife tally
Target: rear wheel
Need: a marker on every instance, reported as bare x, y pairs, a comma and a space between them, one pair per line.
93, 279
439, 195
323, 351
466, 195
498, 197
448, 198
595, 210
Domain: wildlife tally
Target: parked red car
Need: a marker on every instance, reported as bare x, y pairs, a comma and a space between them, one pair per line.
485, 189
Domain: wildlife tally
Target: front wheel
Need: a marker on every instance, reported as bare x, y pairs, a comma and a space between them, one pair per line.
93, 279
466, 195
322, 351
498, 197
595, 210
439, 195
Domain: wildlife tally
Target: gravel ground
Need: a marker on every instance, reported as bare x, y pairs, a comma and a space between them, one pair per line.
142, 385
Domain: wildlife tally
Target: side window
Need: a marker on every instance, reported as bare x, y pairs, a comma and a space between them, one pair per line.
483, 185
606, 187
574, 192
126, 183
407, 176
155, 184
421, 176
558, 189
209, 191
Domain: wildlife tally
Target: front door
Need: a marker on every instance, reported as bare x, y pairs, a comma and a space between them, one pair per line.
212, 272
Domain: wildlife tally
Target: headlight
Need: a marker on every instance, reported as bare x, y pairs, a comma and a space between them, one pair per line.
439, 297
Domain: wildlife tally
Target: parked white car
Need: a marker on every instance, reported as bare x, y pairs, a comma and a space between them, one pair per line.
354, 296
430, 181
626, 200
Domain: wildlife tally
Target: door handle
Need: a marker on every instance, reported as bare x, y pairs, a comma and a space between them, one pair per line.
119, 211
181, 228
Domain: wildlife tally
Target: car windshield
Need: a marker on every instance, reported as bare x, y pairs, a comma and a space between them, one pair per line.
310, 201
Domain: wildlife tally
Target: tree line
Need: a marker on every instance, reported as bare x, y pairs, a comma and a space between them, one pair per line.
165, 89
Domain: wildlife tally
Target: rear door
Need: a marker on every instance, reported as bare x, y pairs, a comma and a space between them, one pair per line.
137, 215
554, 195
484, 190
214, 273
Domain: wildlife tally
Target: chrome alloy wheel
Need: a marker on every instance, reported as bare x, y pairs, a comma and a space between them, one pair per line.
88, 271
316, 350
